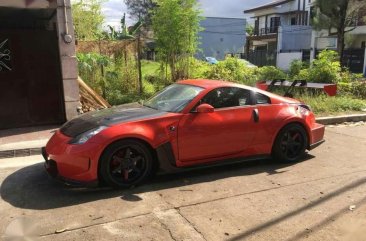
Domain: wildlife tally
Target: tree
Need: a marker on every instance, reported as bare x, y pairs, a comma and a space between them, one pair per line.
126, 32
141, 10
130, 33
176, 26
249, 30
88, 19
338, 15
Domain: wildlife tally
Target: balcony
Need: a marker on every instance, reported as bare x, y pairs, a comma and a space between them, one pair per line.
271, 30
266, 31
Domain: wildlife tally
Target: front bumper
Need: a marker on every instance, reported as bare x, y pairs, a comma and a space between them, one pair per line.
76, 165
52, 170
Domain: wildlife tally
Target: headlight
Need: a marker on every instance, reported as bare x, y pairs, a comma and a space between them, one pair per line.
82, 138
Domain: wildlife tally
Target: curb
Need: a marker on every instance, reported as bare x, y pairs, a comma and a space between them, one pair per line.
35, 150
22, 149
20, 153
333, 120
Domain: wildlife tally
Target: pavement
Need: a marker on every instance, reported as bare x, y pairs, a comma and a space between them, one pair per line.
320, 198
24, 141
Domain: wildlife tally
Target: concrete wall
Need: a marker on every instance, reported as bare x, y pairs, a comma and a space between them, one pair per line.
295, 37
221, 36
355, 40
284, 59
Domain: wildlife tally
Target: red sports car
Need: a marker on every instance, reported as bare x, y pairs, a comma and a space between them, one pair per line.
189, 124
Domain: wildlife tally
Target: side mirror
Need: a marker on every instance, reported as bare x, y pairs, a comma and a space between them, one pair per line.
205, 108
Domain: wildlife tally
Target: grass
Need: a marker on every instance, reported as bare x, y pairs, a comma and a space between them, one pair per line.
149, 68
324, 105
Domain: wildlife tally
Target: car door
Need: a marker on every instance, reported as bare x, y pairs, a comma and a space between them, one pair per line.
226, 131
269, 120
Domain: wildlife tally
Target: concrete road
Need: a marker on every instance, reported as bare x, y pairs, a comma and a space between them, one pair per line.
321, 198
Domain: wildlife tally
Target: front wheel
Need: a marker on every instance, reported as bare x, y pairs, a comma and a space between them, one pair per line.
290, 144
125, 163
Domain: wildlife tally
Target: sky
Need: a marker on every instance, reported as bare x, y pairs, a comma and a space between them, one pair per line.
114, 9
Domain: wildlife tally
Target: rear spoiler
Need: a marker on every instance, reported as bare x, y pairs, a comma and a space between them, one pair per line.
329, 89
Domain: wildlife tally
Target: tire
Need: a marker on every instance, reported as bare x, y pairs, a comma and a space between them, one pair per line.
290, 144
125, 163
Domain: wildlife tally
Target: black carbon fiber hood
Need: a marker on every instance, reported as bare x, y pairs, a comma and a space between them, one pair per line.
108, 117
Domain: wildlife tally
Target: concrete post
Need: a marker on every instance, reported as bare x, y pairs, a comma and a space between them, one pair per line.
68, 58
279, 45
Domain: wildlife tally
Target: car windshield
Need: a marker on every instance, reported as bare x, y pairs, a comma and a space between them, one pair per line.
173, 98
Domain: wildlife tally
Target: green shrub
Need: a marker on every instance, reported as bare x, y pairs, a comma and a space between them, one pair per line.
348, 77
198, 69
355, 88
296, 66
304, 74
90, 69
149, 88
325, 69
270, 73
232, 69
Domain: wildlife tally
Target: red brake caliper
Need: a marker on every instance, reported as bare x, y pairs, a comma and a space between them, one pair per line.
125, 174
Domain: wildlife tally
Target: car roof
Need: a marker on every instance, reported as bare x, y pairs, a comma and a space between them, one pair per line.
213, 84
207, 84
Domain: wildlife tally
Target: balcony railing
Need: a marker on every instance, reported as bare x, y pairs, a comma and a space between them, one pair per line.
266, 31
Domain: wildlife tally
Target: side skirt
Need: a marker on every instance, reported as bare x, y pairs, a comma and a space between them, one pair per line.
167, 161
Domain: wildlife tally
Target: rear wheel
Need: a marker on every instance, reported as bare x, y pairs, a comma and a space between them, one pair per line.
290, 144
126, 163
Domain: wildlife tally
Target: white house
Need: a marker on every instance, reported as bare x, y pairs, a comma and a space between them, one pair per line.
283, 33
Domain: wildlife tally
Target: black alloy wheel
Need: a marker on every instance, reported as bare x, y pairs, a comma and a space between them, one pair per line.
126, 163
290, 144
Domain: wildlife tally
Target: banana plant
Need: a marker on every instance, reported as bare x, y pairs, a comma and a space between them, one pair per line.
126, 32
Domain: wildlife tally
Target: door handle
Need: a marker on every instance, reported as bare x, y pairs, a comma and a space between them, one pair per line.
256, 115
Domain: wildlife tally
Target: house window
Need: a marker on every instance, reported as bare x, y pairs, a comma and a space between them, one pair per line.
261, 47
5, 56
275, 23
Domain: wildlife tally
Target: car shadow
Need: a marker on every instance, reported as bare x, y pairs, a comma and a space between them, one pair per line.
31, 188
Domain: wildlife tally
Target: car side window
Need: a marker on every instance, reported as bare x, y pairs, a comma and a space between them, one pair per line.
227, 97
261, 99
